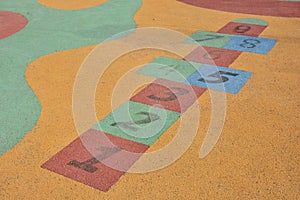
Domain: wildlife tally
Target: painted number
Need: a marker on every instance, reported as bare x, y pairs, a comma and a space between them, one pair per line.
217, 78
210, 37
212, 55
171, 96
170, 68
242, 29
149, 117
88, 165
250, 43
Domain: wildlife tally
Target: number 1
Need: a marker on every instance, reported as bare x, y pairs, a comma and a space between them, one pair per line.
88, 165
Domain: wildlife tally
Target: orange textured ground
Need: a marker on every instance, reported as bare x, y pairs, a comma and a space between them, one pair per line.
257, 156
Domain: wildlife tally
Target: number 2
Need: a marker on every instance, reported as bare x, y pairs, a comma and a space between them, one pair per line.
150, 117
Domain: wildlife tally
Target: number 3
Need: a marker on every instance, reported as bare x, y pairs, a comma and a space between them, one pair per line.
172, 96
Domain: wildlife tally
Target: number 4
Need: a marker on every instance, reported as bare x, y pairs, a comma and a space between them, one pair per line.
217, 78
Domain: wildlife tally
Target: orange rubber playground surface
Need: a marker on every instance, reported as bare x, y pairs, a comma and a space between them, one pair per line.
147, 99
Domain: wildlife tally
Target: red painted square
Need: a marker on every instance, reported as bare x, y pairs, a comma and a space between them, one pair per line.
236, 28
96, 159
169, 95
213, 56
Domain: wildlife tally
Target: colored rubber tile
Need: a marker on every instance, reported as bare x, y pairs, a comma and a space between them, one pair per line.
210, 39
242, 29
138, 122
219, 78
252, 21
177, 97
251, 44
213, 56
169, 69
96, 159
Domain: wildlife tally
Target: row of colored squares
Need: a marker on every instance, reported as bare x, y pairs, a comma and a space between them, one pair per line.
197, 74
100, 156
99, 159
232, 42
151, 111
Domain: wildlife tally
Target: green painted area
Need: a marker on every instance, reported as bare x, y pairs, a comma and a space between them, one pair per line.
252, 21
49, 30
169, 69
138, 122
209, 39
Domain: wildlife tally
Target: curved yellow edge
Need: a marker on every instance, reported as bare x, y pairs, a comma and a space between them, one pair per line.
256, 157
71, 4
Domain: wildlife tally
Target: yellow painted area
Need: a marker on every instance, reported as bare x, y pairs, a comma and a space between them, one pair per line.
71, 4
257, 156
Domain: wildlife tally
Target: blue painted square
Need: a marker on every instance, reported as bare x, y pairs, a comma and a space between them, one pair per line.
251, 44
219, 78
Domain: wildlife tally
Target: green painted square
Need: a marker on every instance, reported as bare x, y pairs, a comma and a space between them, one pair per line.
138, 122
252, 21
170, 69
209, 39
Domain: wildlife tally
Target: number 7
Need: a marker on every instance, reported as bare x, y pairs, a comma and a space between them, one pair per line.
210, 37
